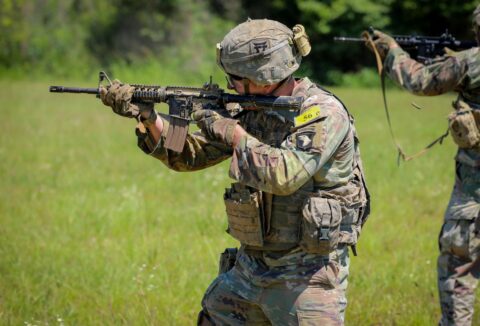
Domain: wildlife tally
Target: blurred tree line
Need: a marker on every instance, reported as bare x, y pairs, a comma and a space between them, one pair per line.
75, 37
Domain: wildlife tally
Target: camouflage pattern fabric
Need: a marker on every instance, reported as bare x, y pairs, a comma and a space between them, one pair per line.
459, 72
343, 273
303, 155
118, 97
287, 161
261, 50
459, 245
299, 289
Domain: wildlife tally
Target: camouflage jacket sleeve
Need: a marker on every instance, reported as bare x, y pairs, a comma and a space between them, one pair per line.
444, 75
309, 148
198, 152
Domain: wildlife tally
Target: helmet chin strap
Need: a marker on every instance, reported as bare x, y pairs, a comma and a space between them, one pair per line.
280, 84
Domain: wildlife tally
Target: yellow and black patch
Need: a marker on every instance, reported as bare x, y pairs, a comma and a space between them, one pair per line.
309, 115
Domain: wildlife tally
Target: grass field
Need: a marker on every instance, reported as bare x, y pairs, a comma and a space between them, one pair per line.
94, 232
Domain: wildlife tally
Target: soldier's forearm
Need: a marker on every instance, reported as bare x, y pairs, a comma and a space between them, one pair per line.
155, 130
239, 133
420, 79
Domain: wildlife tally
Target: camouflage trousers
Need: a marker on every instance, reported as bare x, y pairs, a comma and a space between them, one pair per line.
265, 291
459, 244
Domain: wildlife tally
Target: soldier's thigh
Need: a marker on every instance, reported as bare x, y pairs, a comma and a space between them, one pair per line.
312, 302
230, 301
459, 238
454, 238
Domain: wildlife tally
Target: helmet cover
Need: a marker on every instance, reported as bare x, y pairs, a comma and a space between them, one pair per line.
260, 50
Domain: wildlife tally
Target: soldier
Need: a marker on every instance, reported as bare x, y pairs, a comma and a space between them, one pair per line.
299, 199
458, 242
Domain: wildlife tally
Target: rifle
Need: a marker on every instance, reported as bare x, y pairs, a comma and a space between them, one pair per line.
182, 101
421, 48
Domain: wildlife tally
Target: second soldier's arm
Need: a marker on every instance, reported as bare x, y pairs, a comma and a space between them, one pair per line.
442, 76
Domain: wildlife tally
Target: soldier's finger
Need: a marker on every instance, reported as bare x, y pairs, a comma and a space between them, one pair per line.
198, 115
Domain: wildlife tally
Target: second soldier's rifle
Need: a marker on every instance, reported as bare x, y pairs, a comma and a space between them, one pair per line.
182, 101
421, 48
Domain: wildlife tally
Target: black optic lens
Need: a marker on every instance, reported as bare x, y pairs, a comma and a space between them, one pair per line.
235, 77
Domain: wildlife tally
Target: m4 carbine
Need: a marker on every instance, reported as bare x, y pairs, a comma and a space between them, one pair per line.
421, 48
182, 101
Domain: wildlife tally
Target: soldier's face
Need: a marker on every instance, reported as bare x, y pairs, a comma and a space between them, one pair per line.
251, 88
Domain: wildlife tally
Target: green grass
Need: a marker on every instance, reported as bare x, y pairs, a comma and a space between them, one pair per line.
94, 232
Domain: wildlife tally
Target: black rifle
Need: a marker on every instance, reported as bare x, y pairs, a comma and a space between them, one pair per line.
421, 48
182, 101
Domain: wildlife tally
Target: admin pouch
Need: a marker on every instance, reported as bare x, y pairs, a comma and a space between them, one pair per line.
464, 125
245, 214
320, 227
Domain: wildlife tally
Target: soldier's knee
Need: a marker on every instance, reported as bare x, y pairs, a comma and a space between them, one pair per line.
204, 319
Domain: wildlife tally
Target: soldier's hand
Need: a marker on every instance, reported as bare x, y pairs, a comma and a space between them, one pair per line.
119, 98
216, 126
382, 42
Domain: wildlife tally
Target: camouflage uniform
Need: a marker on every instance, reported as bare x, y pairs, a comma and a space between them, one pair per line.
299, 199
459, 72
277, 281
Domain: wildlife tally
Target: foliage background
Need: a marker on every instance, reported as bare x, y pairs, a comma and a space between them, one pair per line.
93, 232
74, 38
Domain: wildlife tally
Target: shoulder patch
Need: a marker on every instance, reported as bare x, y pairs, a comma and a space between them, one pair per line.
308, 115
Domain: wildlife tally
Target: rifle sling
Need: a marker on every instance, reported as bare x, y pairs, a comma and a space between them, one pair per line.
381, 73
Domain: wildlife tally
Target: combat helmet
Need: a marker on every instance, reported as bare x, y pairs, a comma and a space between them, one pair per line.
263, 51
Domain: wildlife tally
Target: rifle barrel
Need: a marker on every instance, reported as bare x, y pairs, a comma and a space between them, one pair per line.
63, 89
348, 39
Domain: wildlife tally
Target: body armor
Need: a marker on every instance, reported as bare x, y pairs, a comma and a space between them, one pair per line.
285, 222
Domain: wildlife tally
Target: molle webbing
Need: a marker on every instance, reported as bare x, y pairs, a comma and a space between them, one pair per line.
283, 223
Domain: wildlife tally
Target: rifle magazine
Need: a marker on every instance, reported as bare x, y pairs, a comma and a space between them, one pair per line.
176, 134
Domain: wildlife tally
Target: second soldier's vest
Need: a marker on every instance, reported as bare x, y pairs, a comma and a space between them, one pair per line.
469, 92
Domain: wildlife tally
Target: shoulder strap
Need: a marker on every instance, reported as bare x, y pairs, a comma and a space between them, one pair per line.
357, 163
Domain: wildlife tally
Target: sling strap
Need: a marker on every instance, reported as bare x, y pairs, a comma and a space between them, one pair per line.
381, 73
